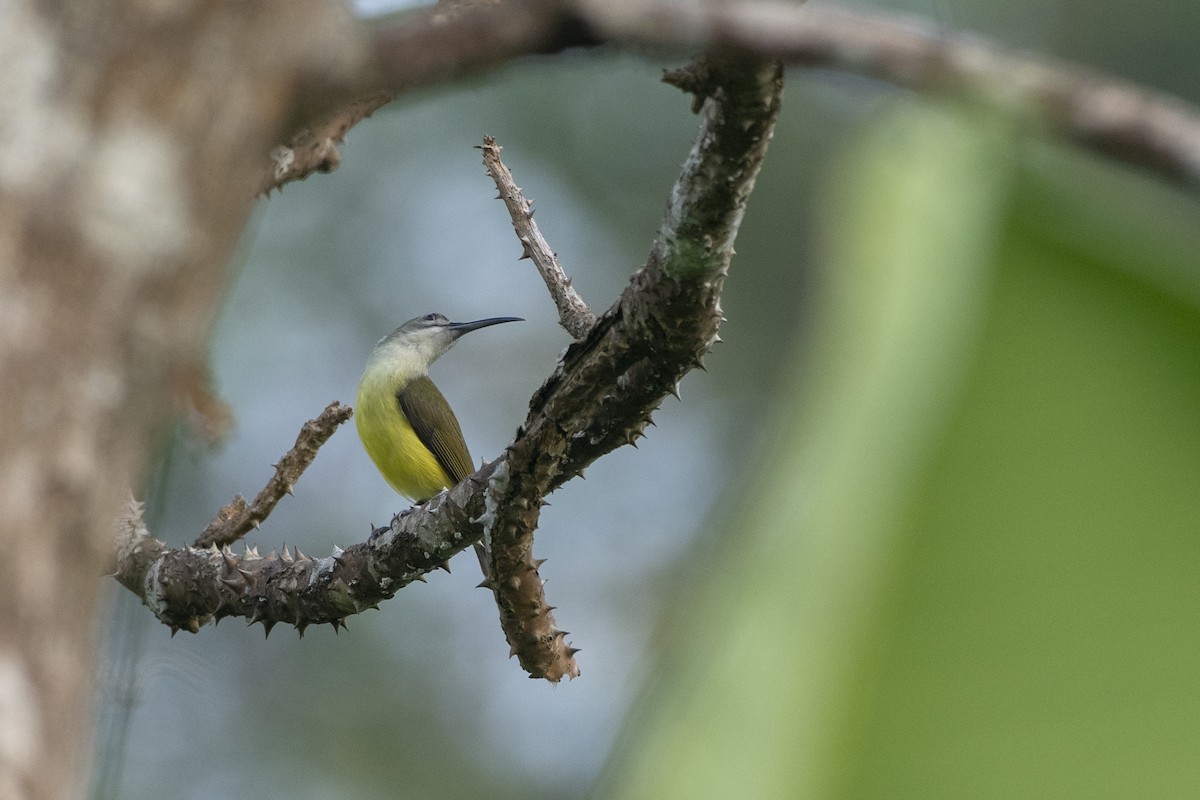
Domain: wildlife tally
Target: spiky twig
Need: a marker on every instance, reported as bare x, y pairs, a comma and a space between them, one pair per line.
573, 313
237, 519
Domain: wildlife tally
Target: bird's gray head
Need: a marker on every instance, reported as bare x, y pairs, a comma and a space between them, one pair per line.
428, 336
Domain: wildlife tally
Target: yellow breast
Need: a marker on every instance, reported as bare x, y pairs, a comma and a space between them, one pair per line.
407, 465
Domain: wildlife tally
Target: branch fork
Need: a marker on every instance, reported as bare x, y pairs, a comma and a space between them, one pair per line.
619, 368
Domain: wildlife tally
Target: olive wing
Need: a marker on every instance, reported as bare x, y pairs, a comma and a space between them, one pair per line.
436, 426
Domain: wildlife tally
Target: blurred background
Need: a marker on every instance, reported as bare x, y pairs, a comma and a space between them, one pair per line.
926, 527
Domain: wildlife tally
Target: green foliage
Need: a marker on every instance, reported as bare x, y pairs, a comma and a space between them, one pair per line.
970, 567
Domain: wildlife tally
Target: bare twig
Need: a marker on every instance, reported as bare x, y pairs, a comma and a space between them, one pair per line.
411, 50
461, 37
315, 148
236, 519
1098, 111
573, 313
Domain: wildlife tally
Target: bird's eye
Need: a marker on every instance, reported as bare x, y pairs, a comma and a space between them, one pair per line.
430, 317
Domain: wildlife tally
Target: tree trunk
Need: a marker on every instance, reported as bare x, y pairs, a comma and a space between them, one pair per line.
132, 134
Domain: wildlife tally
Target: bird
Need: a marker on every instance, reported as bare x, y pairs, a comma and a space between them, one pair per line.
405, 424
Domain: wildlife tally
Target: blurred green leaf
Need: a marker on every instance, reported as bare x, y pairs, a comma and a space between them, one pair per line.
1042, 637
970, 567
761, 690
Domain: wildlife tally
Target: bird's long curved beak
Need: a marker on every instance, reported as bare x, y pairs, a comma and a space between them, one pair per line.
460, 328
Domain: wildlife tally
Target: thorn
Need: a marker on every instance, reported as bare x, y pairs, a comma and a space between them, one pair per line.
290, 489
267, 624
537, 563
675, 391
571, 651
175, 630
420, 577
444, 565
300, 556
484, 584
286, 555
234, 583
512, 650
300, 630
254, 523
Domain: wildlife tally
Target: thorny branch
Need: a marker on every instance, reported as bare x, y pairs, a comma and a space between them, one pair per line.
189, 587
599, 397
513, 575
608, 383
573, 313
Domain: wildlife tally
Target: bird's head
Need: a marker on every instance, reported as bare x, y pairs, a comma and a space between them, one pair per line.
427, 337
